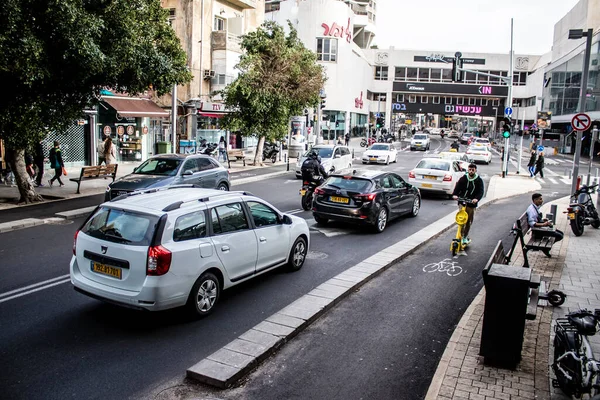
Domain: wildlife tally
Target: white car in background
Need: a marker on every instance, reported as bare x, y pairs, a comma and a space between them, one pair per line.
434, 131
333, 158
479, 153
380, 153
419, 141
436, 175
462, 158
452, 134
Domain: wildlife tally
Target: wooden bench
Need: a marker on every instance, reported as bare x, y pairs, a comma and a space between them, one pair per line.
95, 172
235, 155
498, 257
537, 241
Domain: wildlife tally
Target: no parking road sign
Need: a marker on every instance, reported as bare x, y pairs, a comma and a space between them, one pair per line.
581, 122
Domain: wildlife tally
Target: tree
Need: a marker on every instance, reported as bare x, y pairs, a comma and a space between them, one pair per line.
57, 55
278, 78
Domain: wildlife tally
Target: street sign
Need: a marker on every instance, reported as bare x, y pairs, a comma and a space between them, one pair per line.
581, 122
508, 111
540, 148
408, 121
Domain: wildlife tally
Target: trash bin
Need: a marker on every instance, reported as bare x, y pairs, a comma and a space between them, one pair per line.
296, 150
506, 301
163, 147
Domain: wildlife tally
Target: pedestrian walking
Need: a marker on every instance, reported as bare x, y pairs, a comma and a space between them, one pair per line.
57, 163
531, 163
222, 149
29, 165
539, 165
110, 152
347, 139
38, 160
100, 150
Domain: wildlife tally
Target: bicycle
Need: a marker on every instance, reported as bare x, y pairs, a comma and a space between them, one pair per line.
576, 370
458, 244
448, 266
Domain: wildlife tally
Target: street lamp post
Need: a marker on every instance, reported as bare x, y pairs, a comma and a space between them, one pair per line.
495, 119
578, 34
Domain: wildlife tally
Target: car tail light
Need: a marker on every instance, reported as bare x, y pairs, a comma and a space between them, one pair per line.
447, 178
305, 182
75, 243
366, 197
411, 174
159, 261
319, 191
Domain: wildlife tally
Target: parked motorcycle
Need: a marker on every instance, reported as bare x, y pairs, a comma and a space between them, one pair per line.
270, 151
363, 142
210, 149
582, 211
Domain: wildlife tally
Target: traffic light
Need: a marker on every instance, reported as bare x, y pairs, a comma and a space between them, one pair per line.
337, 124
506, 129
379, 123
322, 104
457, 75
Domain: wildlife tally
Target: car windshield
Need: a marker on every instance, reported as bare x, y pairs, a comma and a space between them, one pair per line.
380, 147
434, 164
351, 184
159, 166
324, 152
467, 135
420, 137
121, 226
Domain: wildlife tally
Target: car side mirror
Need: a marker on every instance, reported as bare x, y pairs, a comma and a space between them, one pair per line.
286, 220
332, 169
187, 172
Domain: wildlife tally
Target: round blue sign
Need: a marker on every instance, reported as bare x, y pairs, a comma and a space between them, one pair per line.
540, 148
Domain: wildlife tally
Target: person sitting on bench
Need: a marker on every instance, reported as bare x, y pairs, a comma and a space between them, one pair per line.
535, 220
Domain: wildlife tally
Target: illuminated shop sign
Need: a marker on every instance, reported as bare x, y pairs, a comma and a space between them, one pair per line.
435, 57
450, 88
432, 108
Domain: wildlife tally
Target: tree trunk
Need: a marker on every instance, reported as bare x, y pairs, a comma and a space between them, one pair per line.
17, 166
258, 159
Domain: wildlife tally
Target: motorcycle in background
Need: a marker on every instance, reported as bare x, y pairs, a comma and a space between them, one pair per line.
582, 211
210, 149
363, 142
270, 151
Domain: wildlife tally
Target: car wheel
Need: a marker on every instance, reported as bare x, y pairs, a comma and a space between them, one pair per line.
223, 186
298, 177
320, 220
297, 254
416, 207
204, 295
381, 221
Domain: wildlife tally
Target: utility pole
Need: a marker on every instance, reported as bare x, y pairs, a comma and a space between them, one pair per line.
174, 119
509, 99
521, 141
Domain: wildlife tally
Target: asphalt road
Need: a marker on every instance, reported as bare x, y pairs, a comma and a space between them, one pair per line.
56, 343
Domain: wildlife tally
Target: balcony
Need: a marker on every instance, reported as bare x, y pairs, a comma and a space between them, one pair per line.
245, 4
223, 40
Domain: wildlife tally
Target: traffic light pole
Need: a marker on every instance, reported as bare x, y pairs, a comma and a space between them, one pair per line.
509, 100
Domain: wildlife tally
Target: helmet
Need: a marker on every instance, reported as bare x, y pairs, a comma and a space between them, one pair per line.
314, 154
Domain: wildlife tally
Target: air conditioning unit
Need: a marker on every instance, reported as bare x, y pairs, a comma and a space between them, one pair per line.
209, 74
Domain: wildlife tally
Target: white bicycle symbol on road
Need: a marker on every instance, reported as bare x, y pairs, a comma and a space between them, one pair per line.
450, 267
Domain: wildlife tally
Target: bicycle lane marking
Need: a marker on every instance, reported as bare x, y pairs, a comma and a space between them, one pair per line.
450, 267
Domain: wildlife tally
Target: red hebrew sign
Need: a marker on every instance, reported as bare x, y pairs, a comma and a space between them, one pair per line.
358, 102
338, 31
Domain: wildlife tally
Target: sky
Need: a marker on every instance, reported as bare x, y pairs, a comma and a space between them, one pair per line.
481, 26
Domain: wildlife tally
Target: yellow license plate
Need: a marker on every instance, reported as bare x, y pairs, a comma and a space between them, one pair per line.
106, 270
430, 177
426, 185
372, 159
571, 215
302, 192
336, 199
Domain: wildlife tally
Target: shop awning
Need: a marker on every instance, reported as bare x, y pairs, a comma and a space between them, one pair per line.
135, 107
212, 115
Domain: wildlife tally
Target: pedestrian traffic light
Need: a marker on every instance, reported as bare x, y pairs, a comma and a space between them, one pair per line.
457, 74
506, 129
379, 123
322, 104
337, 124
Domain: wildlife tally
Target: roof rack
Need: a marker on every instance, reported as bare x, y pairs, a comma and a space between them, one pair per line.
178, 204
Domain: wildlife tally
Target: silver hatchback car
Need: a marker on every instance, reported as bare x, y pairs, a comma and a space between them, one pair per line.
172, 169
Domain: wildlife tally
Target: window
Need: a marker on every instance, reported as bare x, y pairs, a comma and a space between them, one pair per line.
482, 79
424, 99
381, 73
400, 73
494, 81
386, 182
495, 102
171, 16
345, 151
411, 74
470, 77
483, 102
190, 226
190, 165
447, 100
228, 218
446, 75
523, 78
262, 215
397, 182
472, 101
435, 100
327, 49
120, 226
460, 101
220, 24
204, 164
412, 98
436, 74
423, 74
400, 98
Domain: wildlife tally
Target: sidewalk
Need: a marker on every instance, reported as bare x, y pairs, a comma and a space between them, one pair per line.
573, 269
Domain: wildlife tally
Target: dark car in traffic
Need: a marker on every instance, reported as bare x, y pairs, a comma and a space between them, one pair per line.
371, 197
172, 169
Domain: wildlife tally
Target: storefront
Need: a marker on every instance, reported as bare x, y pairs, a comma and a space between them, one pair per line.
134, 124
210, 128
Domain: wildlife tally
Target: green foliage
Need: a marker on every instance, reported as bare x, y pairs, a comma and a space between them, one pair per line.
278, 78
56, 56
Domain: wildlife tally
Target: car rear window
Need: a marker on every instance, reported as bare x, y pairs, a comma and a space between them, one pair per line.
479, 150
324, 152
420, 137
121, 226
434, 164
352, 184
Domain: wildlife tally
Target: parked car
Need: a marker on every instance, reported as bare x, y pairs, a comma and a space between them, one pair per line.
464, 138
462, 158
380, 153
182, 247
436, 175
172, 169
480, 153
371, 197
419, 141
333, 158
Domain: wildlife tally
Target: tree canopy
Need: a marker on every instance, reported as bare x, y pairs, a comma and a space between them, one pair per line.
278, 78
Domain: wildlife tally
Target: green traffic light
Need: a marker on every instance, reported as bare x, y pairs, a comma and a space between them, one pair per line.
506, 134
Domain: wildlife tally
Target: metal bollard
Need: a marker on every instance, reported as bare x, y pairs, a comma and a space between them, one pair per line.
552, 215
352, 153
285, 158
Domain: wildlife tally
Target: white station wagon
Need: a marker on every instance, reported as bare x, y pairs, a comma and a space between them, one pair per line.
181, 247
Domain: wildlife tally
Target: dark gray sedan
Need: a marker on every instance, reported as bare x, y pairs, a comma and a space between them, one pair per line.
172, 169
